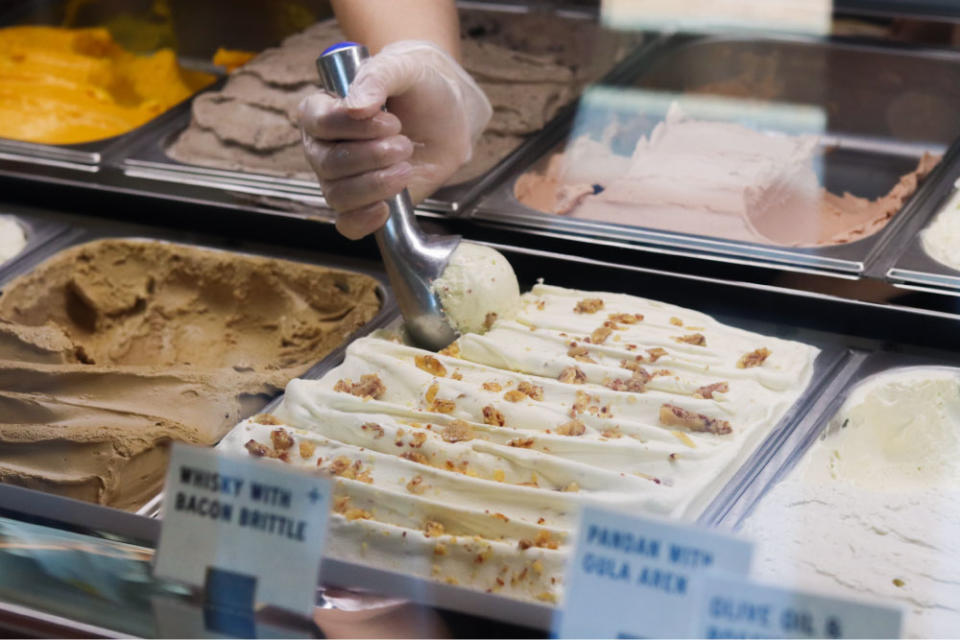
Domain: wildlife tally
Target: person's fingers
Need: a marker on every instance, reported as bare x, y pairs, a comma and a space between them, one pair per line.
343, 159
358, 191
379, 78
325, 117
364, 221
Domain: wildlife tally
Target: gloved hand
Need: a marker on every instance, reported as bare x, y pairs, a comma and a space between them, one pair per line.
362, 155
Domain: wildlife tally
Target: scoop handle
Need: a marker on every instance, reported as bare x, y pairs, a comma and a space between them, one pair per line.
412, 259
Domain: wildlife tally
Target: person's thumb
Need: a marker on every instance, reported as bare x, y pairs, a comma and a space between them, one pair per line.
380, 77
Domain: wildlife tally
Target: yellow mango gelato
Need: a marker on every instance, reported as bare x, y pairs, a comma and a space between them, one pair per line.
66, 86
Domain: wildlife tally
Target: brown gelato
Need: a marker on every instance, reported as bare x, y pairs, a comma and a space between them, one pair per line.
113, 349
709, 178
529, 65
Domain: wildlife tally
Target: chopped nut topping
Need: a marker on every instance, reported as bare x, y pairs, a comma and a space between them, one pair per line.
572, 375
266, 418
493, 417
431, 393
544, 540
258, 450
546, 596
414, 456
580, 404
456, 375
499, 475
637, 383
675, 321
626, 318
457, 431
514, 395
580, 353
500, 516
492, 386
431, 365
488, 320
342, 506
418, 439
674, 416
600, 335
572, 428
572, 487
375, 428
452, 350
697, 339
706, 392
588, 305
281, 438
416, 486
342, 467
612, 432
523, 544
440, 549
307, 449
431, 528
656, 353
444, 406
533, 391
523, 443
370, 386
541, 305
754, 358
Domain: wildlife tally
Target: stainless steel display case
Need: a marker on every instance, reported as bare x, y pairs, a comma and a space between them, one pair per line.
873, 133
907, 264
750, 306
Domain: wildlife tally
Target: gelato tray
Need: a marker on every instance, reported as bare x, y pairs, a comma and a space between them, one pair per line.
756, 150
459, 474
861, 503
925, 254
71, 95
22, 235
245, 137
115, 346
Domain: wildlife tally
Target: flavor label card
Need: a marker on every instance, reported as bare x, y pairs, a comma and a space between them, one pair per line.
633, 577
733, 607
246, 530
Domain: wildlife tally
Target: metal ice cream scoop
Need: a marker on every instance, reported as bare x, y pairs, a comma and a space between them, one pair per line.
413, 259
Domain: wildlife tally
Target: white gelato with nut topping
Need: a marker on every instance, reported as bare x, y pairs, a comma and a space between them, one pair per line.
469, 466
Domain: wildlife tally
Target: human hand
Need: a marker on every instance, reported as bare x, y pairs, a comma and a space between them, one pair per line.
362, 155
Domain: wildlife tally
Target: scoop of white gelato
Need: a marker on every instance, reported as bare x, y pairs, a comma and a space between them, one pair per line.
477, 287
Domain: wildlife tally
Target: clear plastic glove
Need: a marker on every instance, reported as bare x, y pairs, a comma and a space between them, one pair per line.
362, 155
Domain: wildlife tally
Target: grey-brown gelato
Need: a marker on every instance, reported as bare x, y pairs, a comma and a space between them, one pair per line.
111, 350
529, 65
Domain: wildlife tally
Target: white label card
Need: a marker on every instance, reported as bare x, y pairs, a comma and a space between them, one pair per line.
733, 607
253, 519
633, 577
712, 16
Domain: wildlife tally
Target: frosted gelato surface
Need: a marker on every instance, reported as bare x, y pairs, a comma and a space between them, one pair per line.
477, 287
870, 510
112, 349
469, 466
